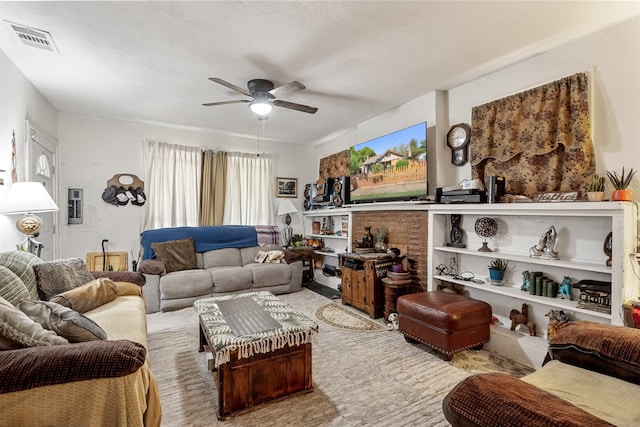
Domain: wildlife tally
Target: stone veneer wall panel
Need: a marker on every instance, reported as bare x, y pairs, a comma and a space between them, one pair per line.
404, 228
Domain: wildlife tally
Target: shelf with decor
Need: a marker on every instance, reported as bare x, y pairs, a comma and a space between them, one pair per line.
333, 229
580, 237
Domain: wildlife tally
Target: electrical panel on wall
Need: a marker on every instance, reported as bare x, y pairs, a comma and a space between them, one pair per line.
74, 210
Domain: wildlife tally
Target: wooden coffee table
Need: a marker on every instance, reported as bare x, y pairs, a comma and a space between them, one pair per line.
258, 348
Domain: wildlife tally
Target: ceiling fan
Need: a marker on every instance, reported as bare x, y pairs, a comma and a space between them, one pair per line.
263, 95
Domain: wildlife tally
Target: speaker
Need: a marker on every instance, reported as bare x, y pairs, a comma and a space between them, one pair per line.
341, 193
324, 190
309, 194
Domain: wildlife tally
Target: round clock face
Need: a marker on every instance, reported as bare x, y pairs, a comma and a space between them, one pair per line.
458, 137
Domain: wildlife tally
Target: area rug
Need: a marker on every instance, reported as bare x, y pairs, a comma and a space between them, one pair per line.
480, 362
359, 378
337, 316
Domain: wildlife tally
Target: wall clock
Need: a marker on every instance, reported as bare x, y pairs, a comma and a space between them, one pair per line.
458, 140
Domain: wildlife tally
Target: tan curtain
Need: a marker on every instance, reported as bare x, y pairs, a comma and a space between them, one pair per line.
539, 139
214, 171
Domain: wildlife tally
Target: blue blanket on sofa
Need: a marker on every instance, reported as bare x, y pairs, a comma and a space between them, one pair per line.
205, 238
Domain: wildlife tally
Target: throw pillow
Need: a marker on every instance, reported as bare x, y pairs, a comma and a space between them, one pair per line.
275, 257
152, 266
55, 277
11, 287
19, 331
128, 288
270, 257
261, 257
177, 255
88, 296
64, 321
21, 263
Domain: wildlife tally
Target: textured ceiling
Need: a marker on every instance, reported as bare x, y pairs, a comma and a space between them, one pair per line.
149, 62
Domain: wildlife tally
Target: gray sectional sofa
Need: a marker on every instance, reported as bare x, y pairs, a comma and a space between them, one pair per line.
225, 264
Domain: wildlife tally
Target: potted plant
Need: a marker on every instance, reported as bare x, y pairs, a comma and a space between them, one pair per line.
596, 189
381, 235
296, 239
620, 183
497, 268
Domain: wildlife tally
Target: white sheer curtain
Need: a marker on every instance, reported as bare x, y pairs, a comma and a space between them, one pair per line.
249, 191
173, 184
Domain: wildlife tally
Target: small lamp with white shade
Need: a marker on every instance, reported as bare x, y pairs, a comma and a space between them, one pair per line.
28, 198
286, 208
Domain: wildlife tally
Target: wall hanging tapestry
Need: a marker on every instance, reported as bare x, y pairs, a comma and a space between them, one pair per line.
539, 139
335, 165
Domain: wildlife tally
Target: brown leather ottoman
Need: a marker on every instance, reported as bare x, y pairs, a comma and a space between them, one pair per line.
445, 321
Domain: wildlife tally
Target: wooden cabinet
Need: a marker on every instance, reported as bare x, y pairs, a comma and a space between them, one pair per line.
362, 285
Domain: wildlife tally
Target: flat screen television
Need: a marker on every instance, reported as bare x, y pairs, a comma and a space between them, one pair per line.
392, 167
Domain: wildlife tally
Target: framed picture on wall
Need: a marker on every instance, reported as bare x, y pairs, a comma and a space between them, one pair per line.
286, 187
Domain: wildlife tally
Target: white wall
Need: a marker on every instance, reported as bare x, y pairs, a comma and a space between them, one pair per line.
19, 101
93, 150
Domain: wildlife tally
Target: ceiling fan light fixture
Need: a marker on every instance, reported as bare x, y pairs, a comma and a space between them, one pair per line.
260, 107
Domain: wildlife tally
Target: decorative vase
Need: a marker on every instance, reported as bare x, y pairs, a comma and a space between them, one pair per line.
397, 268
496, 276
595, 196
622, 195
315, 226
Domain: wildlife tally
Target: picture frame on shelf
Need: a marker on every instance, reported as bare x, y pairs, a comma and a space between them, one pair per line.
286, 187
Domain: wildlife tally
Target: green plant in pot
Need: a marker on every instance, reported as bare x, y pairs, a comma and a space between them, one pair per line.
296, 239
595, 193
497, 267
620, 184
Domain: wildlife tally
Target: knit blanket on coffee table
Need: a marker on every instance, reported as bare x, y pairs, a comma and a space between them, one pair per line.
246, 331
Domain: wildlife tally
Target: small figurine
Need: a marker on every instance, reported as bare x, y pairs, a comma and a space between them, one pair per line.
393, 322
565, 288
607, 248
456, 233
546, 245
521, 318
557, 319
525, 281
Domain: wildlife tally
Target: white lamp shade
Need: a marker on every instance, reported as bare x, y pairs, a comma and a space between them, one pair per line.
29, 197
286, 207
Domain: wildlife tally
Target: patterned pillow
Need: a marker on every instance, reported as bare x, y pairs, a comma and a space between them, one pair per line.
19, 331
11, 287
269, 257
56, 277
88, 296
21, 263
275, 257
62, 320
261, 257
177, 255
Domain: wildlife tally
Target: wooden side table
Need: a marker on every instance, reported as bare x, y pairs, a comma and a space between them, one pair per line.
309, 258
392, 290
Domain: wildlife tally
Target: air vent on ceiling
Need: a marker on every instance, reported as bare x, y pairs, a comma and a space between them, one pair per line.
33, 37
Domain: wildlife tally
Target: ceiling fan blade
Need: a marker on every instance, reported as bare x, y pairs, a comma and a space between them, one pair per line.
211, 104
292, 106
230, 86
287, 88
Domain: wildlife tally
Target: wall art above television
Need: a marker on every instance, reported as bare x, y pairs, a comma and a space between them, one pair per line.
392, 167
